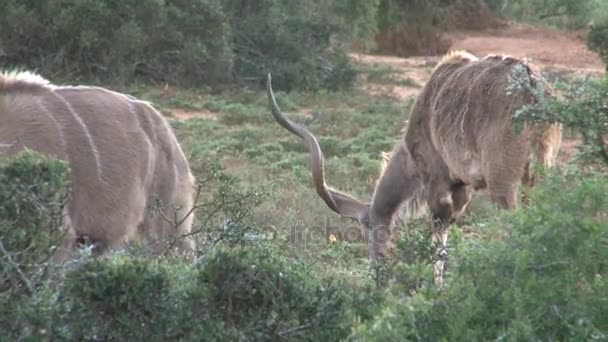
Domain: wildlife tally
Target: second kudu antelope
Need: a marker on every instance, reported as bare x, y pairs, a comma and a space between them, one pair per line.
122, 154
460, 138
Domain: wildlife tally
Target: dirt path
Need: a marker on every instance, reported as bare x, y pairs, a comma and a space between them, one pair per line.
552, 51
412, 71
182, 114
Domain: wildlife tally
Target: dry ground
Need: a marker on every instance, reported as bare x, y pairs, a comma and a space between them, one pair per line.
552, 51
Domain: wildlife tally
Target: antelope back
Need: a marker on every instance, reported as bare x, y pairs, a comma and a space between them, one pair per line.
461, 127
121, 151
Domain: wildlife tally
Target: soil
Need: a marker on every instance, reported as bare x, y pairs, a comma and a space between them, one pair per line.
182, 114
552, 50
558, 52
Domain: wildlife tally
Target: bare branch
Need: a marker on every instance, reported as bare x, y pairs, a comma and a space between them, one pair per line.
25, 280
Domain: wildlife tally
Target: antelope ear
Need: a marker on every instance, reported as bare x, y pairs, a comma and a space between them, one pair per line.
349, 207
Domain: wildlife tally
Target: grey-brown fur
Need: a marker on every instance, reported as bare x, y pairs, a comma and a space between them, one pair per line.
121, 151
460, 137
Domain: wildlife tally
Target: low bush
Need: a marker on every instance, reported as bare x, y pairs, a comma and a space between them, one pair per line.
597, 41
183, 42
417, 28
472, 15
411, 28
265, 295
580, 106
248, 292
597, 34
533, 274
119, 298
292, 40
569, 14
33, 190
188, 43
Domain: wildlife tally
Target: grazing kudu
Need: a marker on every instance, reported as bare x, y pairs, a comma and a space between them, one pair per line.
123, 158
460, 138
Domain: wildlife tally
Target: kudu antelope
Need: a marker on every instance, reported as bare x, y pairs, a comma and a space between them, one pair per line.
460, 138
122, 154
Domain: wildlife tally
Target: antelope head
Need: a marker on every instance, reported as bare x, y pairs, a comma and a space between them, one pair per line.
398, 183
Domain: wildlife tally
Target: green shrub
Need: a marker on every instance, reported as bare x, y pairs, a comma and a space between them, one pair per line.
289, 39
535, 274
357, 20
268, 296
117, 298
599, 14
176, 41
188, 43
572, 14
418, 27
597, 35
126, 297
33, 189
597, 41
251, 292
472, 15
225, 209
581, 107
411, 27
236, 114
496, 5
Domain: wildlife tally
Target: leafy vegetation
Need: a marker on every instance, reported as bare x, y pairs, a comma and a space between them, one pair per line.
188, 43
33, 190
597, 39
185, 42
273, 262
537, 273
291, 40
571, 14
581, 107
212, 43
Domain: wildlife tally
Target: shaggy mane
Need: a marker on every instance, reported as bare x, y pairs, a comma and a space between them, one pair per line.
458, 56
22, 81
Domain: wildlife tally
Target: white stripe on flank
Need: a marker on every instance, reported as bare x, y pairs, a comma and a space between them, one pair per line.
86, 133
176, 176
131, 108
151, 152
59, 127
151, 161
